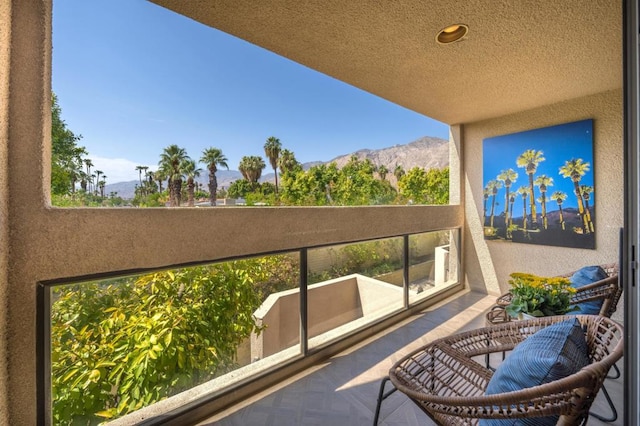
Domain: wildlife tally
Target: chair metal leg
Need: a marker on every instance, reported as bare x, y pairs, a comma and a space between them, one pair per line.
381, 397
614, 412
617, 373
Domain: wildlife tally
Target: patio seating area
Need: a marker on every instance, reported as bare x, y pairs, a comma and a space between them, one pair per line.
343, 390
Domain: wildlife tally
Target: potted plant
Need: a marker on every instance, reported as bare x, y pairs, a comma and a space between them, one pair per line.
539, 296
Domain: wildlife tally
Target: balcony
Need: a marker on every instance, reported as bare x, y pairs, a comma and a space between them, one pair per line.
343, 389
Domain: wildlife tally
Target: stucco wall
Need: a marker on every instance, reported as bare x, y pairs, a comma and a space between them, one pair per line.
489, 263
5, 10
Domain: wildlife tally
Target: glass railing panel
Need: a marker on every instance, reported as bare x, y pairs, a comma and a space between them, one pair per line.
433, 262
120, 344
352, 285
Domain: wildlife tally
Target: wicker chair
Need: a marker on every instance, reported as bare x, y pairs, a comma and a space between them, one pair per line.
447, 380
607, 290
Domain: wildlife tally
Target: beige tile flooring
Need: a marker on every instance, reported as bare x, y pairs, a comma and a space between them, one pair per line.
343, 390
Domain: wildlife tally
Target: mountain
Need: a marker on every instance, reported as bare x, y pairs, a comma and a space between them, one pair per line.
427, 152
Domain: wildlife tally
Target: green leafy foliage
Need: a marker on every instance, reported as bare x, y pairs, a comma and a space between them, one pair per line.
123, 344
66, 155
425, 187
539, 296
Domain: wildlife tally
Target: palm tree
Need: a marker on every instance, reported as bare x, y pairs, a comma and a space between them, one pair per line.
507, 177
586, 191
398, 172
83, 181
575, 169
191, 171
89, 164
524, 191
382, 172
213, 157
170, 160
272, 150
542, 182
530, 160
139, 169
251, 168
559, 198
160, 175
493, 186
288, 162
101, 185
98, 173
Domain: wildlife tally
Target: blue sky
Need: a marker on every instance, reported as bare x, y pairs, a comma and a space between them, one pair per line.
133, 78
557, 143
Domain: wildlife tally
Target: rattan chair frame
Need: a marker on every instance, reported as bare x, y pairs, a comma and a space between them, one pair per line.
447, 380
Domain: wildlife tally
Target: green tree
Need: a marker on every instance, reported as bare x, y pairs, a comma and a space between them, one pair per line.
575, 169
288, 162
117, 346
66, 155
272, 149
240, 188
529, 160
425, 187
170, 162
213, 157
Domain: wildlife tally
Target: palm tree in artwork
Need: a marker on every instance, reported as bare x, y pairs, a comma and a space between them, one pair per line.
213, 157
543, 182
272, 149
512, 199
529, 160
524, 192
189, 168
493, 186
586, 192
559, 198
170, 161
575, 169
507, 177
486, 192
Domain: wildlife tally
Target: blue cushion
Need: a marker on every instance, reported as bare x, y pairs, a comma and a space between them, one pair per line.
582, 277
550, 354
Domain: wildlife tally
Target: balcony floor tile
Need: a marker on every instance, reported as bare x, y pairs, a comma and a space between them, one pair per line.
343, 390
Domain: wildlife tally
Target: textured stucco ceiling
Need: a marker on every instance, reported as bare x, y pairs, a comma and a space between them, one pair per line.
518, 54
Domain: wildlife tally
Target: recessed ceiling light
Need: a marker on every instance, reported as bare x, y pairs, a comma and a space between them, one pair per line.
452, 33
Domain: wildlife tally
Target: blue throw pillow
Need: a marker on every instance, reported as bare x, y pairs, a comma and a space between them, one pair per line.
582, 277
550, 354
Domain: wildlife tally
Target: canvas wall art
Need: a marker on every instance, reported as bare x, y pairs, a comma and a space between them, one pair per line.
539, 186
